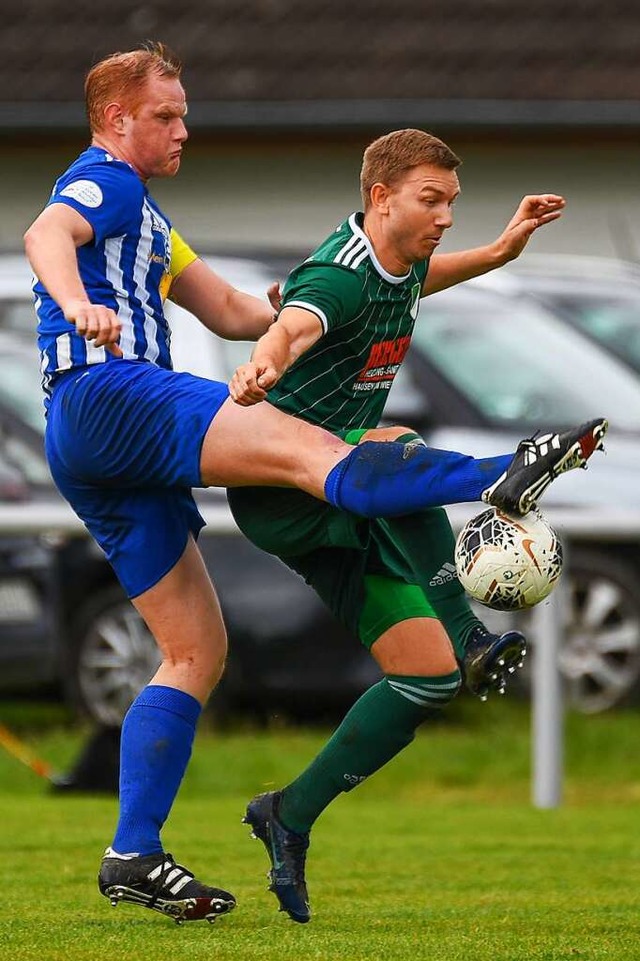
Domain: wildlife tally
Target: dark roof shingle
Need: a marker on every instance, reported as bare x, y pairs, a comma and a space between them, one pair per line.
272, 50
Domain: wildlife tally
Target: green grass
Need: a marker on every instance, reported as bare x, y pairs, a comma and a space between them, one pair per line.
440, 856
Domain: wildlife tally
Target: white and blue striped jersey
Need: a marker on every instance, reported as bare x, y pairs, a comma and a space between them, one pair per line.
123, 267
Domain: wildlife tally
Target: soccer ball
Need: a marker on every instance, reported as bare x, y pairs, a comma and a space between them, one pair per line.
508, 563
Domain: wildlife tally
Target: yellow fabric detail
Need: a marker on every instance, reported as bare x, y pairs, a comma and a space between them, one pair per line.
181, 256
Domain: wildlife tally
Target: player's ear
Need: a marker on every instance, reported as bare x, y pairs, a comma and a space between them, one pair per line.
380, 197
114, 117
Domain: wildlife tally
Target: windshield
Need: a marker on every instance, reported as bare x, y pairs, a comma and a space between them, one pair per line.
520, 365
611, 319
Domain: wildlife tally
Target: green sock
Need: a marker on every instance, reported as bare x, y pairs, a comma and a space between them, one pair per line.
378, 726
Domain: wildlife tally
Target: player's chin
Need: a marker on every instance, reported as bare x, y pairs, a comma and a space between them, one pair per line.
171, 167
430, 245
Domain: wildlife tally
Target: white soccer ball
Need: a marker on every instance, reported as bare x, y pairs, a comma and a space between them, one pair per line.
508, 563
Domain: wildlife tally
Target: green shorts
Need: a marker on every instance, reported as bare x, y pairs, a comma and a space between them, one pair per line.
352, 563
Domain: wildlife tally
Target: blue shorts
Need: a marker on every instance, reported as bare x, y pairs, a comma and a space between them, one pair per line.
123, 441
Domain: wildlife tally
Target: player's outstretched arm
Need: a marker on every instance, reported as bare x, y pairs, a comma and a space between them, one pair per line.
225, 311
50, 244
534, 211
295, 331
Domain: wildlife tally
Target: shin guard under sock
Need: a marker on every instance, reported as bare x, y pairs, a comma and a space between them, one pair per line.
378, 726
386, 479
157, 738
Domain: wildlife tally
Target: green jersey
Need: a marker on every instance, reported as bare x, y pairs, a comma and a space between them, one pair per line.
367, 316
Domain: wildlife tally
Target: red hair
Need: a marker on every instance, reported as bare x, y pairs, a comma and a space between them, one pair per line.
121, 77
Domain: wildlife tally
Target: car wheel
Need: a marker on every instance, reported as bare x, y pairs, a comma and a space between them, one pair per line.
600, 654
111, 657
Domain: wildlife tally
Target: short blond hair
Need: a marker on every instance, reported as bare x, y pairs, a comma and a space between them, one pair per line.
121, 77
388, 158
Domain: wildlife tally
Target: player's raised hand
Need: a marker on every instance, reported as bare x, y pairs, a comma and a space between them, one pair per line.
534, 210
96, 323
250, 383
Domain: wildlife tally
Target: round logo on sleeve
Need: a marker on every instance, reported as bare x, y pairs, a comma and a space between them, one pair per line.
86, 192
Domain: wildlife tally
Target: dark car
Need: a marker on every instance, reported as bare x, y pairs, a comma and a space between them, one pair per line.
27, 588
65, 619
486, 368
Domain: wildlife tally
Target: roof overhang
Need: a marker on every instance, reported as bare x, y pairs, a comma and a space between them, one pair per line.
326, 115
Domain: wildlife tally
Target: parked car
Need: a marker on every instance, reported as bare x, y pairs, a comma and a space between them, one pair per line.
64, 618
597, 295
487, 367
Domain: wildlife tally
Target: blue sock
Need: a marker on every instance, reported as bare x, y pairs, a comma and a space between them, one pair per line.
157, 737
380, 480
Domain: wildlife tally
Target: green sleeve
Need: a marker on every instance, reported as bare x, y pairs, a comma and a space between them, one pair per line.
330, 291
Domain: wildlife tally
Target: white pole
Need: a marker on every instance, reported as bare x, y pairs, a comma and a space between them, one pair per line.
547, 707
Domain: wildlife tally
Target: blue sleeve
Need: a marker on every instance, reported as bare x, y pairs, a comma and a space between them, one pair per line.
109, 197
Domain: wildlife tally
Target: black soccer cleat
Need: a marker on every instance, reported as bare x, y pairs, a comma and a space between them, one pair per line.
155, 881
489, 660
287, 851
538, 461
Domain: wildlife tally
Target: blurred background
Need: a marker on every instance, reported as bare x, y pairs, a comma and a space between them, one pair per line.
283, 97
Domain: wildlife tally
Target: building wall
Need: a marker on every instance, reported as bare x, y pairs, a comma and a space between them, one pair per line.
290, 194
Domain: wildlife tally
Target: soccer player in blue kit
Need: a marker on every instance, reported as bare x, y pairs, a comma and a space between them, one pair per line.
128, 438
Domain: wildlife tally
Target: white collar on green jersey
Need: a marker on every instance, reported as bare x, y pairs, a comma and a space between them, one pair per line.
359, 232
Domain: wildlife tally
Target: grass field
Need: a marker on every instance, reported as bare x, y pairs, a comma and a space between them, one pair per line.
440, 856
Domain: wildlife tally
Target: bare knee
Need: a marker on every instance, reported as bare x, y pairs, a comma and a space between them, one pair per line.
195, 668
415, 647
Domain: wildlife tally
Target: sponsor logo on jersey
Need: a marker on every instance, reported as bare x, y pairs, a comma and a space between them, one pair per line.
382, 364
163, 254
86, 192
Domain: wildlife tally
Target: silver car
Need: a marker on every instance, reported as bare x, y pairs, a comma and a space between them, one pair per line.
487, 367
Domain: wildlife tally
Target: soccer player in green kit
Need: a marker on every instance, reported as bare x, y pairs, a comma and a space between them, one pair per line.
345, 325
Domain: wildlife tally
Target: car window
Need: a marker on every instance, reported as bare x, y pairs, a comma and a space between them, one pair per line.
520, 365
20, 385
612, 320
18, 315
